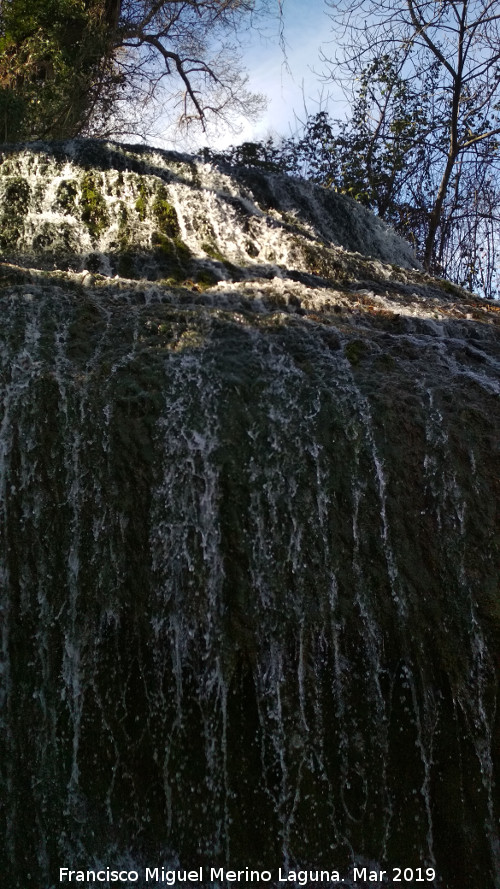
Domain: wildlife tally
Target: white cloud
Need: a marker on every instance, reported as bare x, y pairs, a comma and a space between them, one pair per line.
289, 78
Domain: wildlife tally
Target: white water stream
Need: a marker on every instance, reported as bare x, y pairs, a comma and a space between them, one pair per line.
248, 535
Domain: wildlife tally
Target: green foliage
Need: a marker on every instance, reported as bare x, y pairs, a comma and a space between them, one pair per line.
51, 58
366, 156
388, 155
425, 78
263, 155
371, 155
73, 67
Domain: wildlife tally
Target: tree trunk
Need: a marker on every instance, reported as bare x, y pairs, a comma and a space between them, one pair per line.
435, 215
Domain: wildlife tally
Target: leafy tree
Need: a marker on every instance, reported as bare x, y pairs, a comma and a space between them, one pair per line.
110, 67
383, 157
421, 143
376, 155
53, 57
459, 42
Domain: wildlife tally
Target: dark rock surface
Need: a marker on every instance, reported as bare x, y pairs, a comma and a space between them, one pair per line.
249, 532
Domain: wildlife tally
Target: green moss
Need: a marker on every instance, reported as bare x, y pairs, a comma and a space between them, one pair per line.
450, 288
206, 278
355, 351
141, 204
170, 282
172, 255
93, 206
320, 261
86, 327
212, 251
12, 275
385, 362
188, 339
203, 227
67, 193
165, 214
17, 195
126, 258
16, 201
188, 170
119, 184
54, 238
171, 246
274, 300
126, 264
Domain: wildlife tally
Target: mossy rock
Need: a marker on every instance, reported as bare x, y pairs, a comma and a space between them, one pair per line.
322, 262
355, 351
386, 362
206, 278
172, 255
448, 287
126, 264
66, 196
141, 204
93, 209
16, 200
165, 214
55, 239
17, 195
212, 251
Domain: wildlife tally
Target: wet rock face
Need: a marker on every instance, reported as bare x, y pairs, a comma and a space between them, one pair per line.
249, 540
141, 213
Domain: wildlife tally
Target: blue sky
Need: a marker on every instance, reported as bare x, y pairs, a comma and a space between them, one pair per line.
288, 83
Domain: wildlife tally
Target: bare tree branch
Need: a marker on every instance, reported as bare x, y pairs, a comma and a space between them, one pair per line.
461, 38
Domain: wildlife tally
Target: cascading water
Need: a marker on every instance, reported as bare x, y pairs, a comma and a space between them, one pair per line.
249, 536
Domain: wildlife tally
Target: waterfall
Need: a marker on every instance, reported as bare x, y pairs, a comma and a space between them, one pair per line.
248, 533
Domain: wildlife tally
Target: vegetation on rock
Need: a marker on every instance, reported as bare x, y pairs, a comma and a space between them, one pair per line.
69, 67
92, 204
54, 67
